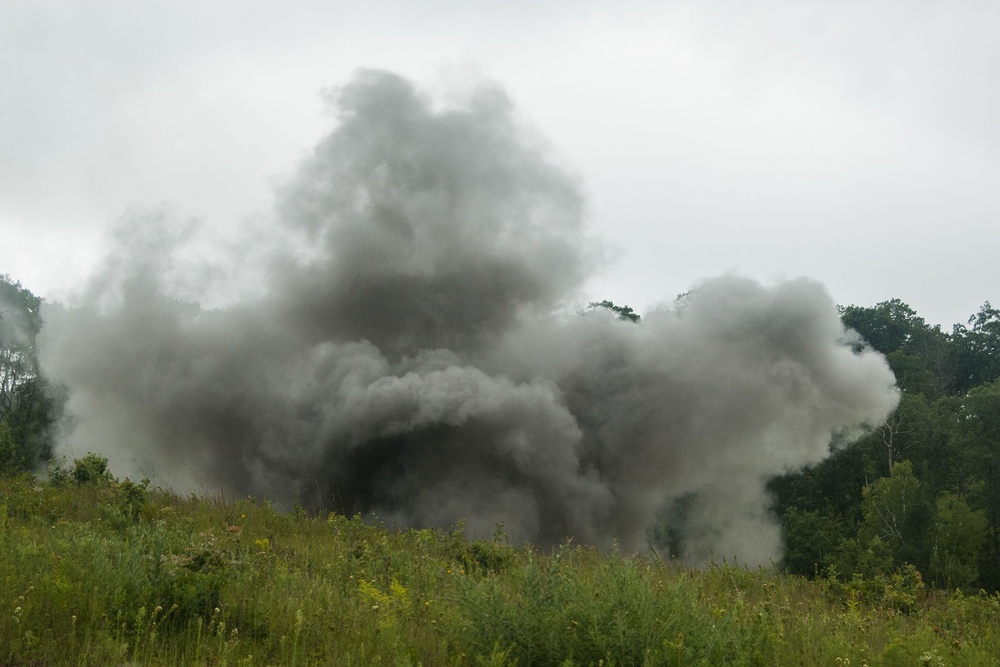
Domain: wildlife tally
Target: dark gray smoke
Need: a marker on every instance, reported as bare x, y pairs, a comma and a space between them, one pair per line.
412, 351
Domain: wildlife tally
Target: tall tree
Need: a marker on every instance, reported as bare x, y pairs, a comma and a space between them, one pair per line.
920, 355
977, 436
924, 487
898, 513
977, 349
958, 537
26, 408
888, 326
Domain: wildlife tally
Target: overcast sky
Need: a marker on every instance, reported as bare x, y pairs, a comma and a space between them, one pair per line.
853, 142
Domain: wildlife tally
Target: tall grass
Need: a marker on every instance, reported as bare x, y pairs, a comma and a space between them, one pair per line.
101, 572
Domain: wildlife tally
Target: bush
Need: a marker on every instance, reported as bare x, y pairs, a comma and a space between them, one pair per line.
92, 469
189, 583
899, 590
486, 556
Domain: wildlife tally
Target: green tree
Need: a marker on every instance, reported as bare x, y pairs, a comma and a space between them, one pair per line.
976, 434
905, 429
830, 489
811, 540
20, 323
26, 406
897, 513
940, 449
623, 312
977, 349
888, 326
958, 537
939, 459
920, 355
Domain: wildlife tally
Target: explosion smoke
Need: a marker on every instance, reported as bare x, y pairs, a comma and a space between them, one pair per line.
410, 353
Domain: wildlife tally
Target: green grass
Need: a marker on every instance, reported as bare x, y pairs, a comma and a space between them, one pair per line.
97, 572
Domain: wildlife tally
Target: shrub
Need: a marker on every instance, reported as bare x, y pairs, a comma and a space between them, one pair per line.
899, 590
92, 469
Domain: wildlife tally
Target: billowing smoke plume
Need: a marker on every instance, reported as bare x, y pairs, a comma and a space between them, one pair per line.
413, 352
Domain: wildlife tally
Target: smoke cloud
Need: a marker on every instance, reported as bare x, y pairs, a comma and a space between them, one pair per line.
404, 343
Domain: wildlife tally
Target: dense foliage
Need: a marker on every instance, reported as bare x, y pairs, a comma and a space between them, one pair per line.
923, 489
27, 405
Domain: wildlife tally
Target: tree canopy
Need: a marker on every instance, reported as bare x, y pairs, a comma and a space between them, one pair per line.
27, 406
623, 312
921, 490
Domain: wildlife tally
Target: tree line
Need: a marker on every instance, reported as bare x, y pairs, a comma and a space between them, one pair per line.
922, 490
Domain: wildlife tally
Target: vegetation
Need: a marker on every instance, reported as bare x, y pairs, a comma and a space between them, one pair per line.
101, 571
623, 312
27, 406
922, 490
892, 551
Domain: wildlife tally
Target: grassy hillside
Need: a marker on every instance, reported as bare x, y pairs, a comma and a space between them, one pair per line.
99, 572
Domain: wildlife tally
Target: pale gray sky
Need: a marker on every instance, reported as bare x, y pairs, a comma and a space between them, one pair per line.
852, 142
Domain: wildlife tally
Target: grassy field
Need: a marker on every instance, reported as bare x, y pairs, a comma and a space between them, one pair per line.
99, 572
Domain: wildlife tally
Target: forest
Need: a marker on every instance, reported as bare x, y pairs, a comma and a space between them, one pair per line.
923, 489
918, 496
